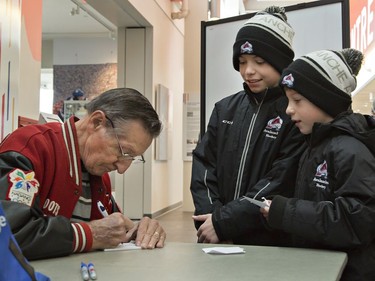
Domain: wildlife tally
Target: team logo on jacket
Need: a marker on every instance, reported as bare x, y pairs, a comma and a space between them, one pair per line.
246, 48
321, 175
23, 187
273, 127
288, 80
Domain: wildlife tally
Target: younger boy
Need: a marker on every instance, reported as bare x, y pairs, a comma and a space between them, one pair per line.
334, 201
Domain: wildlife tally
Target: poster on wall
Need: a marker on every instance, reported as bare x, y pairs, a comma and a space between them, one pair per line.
191, 125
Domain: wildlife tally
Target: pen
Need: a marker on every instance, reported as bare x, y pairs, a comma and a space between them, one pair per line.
92, 271
84, 271
102, 209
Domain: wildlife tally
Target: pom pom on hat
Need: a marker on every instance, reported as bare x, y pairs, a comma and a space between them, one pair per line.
267, 35
326, 78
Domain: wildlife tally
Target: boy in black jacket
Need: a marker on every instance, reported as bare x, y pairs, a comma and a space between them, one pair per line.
334, 204
251, 147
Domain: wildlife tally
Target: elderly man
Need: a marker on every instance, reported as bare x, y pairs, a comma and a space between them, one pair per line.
54, 183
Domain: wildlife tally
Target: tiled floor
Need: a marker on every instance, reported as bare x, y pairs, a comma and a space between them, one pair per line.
179, 226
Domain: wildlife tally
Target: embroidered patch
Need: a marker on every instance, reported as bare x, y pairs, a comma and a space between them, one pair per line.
322, 170
24, 187
321, 176
288, 81
246, 48
273, 127
275, 124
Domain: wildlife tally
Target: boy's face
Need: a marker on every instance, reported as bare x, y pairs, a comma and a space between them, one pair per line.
303, 112
257, 73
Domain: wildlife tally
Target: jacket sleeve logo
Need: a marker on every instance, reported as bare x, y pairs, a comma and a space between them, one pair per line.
23, 187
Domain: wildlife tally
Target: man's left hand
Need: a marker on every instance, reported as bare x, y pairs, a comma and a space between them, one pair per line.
148, 234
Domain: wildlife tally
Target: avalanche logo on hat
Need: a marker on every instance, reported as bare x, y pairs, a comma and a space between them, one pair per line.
288, 80
246, 48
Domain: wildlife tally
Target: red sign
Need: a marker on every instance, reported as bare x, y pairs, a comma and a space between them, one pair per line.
362, 25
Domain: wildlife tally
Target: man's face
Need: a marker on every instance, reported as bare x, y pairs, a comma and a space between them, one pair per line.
101, 151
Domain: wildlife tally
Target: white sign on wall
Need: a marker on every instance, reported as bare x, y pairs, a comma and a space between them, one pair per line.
191, 124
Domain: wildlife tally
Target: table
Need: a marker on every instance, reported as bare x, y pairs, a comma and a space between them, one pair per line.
187, 261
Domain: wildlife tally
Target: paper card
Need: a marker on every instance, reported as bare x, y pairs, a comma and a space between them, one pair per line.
224, 250
125, 247
261, 204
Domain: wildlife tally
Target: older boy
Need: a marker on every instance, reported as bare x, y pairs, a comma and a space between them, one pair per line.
251, 146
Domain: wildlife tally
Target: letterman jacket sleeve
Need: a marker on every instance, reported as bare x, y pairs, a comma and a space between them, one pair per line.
203, 185
238, 217
39, 236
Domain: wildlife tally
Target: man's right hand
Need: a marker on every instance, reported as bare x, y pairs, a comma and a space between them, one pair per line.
110, 231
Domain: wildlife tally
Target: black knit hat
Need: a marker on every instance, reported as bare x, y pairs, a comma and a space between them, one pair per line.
267, 35
326, 78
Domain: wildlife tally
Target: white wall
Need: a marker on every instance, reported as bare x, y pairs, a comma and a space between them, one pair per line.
71, 51
168, 70
197, 14
176, 65
20, 38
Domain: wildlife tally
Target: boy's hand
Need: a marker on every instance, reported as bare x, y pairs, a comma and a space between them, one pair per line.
266, 209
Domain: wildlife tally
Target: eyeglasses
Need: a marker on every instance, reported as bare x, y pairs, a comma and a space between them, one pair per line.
126, 156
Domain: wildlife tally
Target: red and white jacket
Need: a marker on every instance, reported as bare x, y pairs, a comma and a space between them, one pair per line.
40, 184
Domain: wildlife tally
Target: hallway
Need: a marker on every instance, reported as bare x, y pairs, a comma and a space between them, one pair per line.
179, 226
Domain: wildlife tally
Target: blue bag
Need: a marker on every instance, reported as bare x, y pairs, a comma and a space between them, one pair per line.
13, 265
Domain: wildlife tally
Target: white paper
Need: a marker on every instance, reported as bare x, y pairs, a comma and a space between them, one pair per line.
125, 247
224, 250
261, 204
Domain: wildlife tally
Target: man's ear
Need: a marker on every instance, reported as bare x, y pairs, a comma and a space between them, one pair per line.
98, 119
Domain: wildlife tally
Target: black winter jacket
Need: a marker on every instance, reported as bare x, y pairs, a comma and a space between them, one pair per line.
334, 204
251, 147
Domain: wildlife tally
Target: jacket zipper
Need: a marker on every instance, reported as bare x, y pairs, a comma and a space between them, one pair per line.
246, 149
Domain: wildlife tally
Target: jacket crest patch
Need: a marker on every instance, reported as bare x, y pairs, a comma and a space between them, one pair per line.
273, 127
321, 176
23, 187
